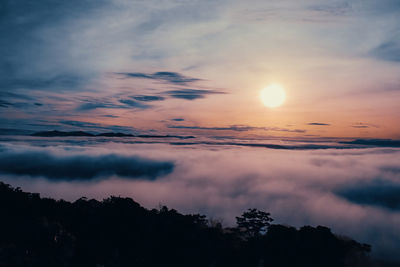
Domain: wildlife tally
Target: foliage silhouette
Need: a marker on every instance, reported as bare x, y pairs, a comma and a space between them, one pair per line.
40, 232
253, 222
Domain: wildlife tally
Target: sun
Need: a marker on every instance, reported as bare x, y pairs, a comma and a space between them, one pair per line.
273, 95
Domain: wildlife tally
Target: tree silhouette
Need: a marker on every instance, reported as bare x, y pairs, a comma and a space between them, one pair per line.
118, 232
254, 222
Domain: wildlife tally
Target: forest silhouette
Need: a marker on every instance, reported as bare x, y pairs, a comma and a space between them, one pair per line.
117, 231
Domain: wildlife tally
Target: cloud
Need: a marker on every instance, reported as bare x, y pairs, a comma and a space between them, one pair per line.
266, 145
237, 128
96, 126
378, 192
134, 104
21, 105
12, 95
164, 76
360, 126
110, 116
148, 98
382, 7
191, 94
126, 103
388, 51
332, 9
96, 105
138, 101
5, 104
318, 124
391, 169
55, 83
39, 51
178, 119
11, 99
67, 45
81, 167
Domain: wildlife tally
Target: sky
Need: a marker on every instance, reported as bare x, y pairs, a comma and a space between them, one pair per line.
184, 79
172, 67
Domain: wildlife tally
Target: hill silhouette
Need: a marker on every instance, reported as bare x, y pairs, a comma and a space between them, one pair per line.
117, 231
61, 133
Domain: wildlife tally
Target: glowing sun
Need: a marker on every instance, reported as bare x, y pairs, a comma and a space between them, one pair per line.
273, 95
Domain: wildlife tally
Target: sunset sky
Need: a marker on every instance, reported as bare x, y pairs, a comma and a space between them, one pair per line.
197, 67
291, 107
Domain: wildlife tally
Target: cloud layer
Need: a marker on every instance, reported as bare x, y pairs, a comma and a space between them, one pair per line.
378, 192
360, 186
81, 167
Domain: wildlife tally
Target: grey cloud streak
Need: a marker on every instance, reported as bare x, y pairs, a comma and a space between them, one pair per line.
377, 192
164, 76
318, 124
237, 128
81, 167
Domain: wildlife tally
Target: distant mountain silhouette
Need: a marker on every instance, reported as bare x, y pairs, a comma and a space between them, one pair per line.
115, 135
110, 134
117, 231
374, 142
166, 136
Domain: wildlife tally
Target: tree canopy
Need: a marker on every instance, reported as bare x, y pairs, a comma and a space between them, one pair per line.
118, 232
254, 222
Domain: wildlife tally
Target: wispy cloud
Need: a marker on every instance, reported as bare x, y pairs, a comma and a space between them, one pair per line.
164, 76
95, 105
191, 94
148, 98
134, 104
237, 128
335, 8
82, 125
388, 51
106, 104
5, 104
17, 100
318, 124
